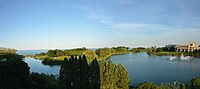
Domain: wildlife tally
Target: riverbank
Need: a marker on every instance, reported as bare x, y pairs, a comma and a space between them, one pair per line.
164, 53
197, 55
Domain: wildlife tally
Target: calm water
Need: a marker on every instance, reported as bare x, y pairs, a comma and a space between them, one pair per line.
37, 66
140, 67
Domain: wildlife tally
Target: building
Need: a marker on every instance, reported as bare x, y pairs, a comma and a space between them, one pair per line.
187, 48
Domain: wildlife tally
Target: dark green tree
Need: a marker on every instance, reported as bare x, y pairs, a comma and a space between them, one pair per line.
43, 81
83, 71
195, 83
51, 53
14, 74
94, 75
123, 81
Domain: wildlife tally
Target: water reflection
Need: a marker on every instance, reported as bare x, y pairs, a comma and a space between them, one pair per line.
37, 66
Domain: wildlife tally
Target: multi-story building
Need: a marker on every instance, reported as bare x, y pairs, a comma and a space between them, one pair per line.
187, 48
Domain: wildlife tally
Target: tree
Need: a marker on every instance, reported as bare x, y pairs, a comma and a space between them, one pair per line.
147, 85
83, 71
94, 75
183, 86
76, 73
43, 81
72, 71
112, 76
59, 53
14, 74
195, 83
51, 53
123, 81
102, 66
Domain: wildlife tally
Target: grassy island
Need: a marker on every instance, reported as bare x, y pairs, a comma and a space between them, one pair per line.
56, 57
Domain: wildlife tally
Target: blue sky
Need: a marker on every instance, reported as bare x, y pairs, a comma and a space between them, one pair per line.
46, 24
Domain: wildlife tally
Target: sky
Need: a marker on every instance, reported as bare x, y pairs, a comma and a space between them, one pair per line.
50, 24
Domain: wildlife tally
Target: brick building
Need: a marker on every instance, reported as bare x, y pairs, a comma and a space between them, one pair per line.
187, 48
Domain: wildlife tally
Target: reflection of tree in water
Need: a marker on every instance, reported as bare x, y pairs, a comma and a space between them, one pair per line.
76, 73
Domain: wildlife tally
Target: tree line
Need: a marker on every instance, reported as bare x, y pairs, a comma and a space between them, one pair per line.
103, 53
9, 54
56, 57
76, 73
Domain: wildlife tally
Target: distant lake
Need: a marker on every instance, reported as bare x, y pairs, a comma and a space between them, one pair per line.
33, 52
141, 67
30, 52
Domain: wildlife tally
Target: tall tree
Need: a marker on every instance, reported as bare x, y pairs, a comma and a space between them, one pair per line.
123, 81
83, 71
14, 74
94, 75
112, 76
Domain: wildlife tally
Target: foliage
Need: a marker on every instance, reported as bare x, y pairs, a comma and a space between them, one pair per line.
139, 49
42, 81
51, 62
195, 83
75, 73
75, 52
59, 55
54, 53
195, 53
176, 85
147, 85
164, 53
14, 74
104, 53
7, 50
9, 54
112, 76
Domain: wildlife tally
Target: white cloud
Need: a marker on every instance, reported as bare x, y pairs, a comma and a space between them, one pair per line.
166, 33
112, 24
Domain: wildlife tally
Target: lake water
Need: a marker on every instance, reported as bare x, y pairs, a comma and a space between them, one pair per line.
37, 66
141, 67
